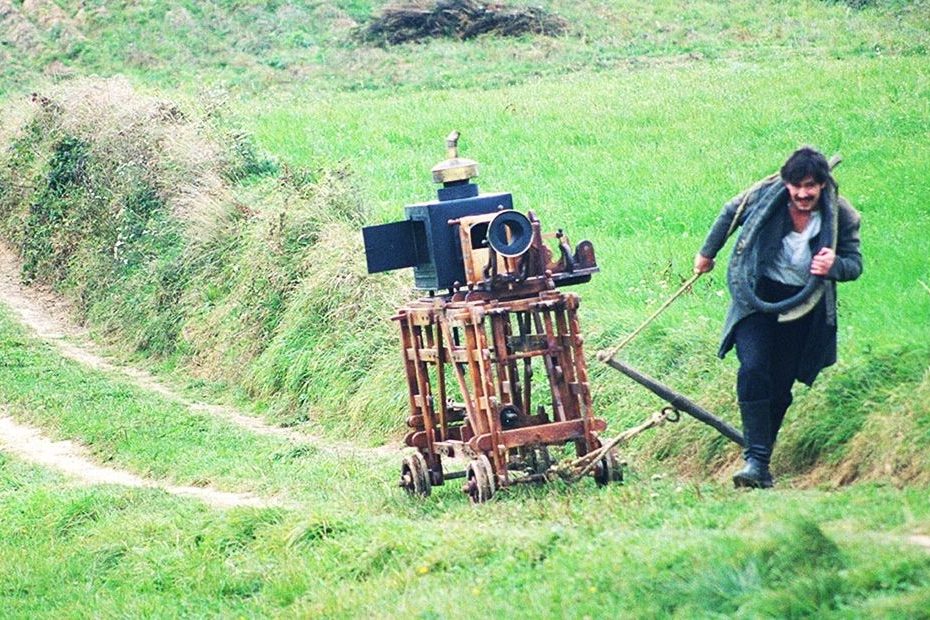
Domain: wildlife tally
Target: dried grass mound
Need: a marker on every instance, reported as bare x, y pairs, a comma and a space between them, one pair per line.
28, 26
458, 19
129, 143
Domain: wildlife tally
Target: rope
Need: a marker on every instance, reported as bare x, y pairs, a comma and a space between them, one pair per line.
609, 355
587, 462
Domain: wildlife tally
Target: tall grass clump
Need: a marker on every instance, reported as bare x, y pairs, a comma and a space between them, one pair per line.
174, 236
102, 191
845, 404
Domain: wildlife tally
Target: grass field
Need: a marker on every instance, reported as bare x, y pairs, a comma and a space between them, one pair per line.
352, 546
202, 214
647, 176
626, 160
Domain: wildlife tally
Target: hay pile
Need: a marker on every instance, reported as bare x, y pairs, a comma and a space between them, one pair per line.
459, 19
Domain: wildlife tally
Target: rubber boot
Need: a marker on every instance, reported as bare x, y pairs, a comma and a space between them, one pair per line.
757, 432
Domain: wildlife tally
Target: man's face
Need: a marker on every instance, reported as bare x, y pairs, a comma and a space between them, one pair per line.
804, 195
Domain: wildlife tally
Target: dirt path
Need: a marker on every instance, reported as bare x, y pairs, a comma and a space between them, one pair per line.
48, 316
70, 458
921, 541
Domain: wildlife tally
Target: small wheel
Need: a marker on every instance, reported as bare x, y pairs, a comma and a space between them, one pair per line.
480, 480
608, 470
414, 475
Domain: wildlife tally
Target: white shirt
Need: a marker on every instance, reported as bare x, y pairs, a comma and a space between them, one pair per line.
792, 263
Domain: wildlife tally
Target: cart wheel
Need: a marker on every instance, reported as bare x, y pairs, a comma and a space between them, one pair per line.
414, 475
608, 470
481, 482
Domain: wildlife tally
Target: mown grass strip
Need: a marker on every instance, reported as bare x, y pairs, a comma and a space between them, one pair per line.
27, 443
156, 437
655, 547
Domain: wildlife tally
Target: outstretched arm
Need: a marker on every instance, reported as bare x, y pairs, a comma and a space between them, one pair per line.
718, 233
717, 236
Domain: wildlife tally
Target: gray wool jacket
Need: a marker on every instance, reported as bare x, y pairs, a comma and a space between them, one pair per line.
764, 222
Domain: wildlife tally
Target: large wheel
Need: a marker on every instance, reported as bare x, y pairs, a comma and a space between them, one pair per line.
414, 475
480, 482
608, 470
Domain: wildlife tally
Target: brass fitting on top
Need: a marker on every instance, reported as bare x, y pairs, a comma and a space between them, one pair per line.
454, 168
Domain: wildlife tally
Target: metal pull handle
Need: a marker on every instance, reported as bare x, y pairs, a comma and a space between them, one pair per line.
452, 145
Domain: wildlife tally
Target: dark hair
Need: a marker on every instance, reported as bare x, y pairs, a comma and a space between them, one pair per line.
805, 162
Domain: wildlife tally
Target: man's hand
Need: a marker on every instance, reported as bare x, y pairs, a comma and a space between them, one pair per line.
702, 264
823, 261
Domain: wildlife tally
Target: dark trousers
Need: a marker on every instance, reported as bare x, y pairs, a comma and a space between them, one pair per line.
769, 353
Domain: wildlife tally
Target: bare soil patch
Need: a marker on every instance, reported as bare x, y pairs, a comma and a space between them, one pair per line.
920, 540
66, 456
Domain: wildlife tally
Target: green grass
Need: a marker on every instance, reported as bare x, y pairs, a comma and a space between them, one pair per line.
640, 162
353, 546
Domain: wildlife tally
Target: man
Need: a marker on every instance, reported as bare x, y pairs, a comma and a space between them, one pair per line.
798, 238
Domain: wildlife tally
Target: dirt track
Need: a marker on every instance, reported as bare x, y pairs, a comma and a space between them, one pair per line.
48, 316
30, 445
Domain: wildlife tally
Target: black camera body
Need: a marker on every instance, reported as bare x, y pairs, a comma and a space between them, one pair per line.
477, 241
426, 240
